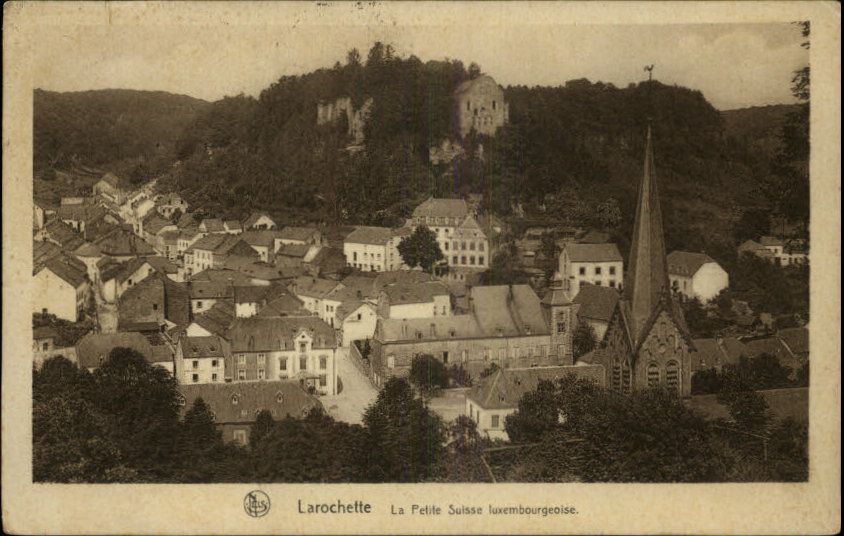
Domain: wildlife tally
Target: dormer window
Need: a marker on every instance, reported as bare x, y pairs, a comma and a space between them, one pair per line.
235, 400
181, 400
452, 333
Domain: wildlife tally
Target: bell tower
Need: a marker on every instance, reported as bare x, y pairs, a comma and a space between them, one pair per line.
561, 314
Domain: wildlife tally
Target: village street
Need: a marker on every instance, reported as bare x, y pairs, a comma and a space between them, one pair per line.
106, 314
358, 393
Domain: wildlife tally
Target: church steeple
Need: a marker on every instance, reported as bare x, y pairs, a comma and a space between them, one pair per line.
647, 273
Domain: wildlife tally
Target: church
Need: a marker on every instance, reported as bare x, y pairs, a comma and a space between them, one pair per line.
647, 343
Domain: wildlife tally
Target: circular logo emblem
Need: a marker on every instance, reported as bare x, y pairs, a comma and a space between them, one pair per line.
256, 503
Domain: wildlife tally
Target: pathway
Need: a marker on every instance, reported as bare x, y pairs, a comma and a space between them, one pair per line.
358, 393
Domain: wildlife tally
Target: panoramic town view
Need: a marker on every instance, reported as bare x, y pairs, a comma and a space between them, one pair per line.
401, 269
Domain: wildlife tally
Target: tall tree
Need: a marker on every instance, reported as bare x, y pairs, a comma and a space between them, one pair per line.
407, 435
421, 249
139, 402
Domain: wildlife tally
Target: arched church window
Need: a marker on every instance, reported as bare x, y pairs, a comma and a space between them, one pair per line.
626, 378
653, 374
616, 377
672, 376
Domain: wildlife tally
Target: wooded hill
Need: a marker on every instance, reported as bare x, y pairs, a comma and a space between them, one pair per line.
113, 129
567, 151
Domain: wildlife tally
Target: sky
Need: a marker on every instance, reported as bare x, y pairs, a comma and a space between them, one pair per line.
734, 65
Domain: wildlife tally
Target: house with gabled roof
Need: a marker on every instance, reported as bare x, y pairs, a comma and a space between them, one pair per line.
595, 306
506, 324
117, 277
43, 251
235, 406
61, 287
156, 299
414, 300
214, 321
233, 226
356, 321
301, 236
463, 242
213, 250
212, 226
201, 360
93, 349
122, 246
279, 348
42, 211
81, 216
374, 249
696, 275
493, 398
312, 291
598, 264
263, 242
715, 353
154, 224
204, 294
61, 234
112, 188
258, 221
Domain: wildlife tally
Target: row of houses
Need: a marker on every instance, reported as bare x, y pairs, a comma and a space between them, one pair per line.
781, 251
691, 275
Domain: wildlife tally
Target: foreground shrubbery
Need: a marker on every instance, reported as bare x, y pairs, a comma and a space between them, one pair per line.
122, 424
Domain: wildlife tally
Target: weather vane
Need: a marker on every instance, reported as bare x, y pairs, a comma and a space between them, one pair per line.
650, 69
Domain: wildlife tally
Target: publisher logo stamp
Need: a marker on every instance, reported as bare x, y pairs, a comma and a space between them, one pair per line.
256, 503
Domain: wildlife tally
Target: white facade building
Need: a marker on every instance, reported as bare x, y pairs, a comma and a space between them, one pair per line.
462, 241
201, 360
374, 249
696, 275
598, 264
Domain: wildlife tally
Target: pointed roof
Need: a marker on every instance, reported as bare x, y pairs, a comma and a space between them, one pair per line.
647, 273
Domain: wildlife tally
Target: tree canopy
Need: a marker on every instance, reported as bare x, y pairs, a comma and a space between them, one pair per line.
421, 249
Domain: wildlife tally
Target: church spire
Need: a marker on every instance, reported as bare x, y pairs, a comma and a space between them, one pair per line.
647, 271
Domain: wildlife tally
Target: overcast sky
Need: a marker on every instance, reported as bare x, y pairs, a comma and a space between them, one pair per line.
734, 65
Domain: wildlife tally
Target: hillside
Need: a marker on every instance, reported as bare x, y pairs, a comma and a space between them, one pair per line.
567, 151
758, 128
112, 129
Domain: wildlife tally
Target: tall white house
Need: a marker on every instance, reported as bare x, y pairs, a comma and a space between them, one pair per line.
696, 275
464, 244
598, 264
61, 287
374, 249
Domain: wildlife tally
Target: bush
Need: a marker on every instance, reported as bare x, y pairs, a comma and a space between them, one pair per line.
428, 373
459, 376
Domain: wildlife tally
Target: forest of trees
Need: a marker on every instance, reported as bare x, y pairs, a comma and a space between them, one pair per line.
122, 423
106, 128
571, 153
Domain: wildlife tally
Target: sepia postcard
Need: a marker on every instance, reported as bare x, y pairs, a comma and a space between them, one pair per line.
421, 268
